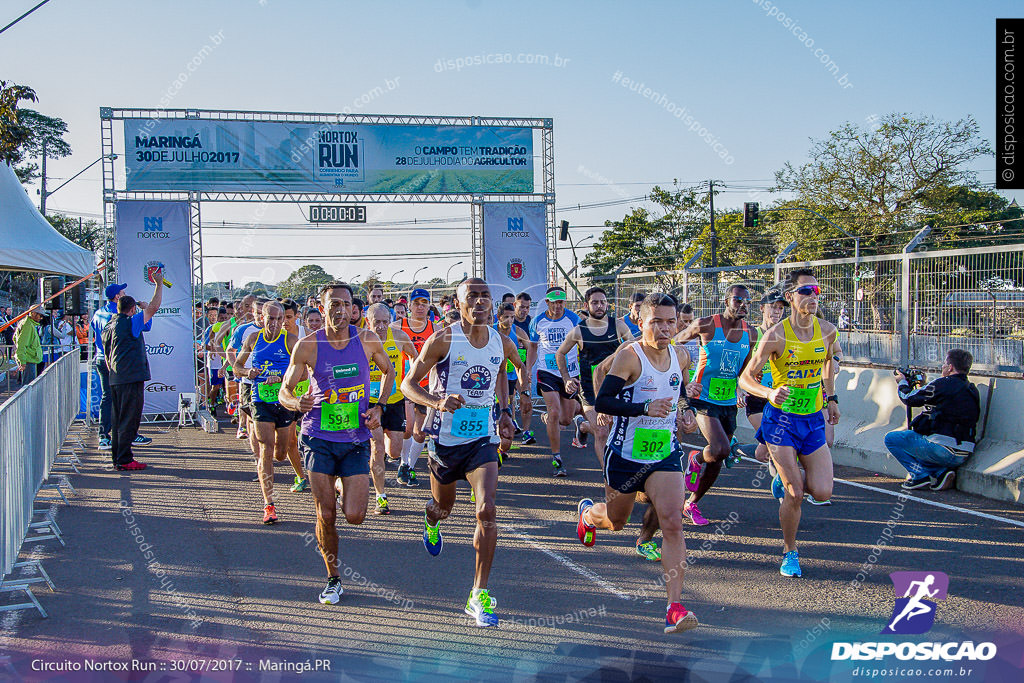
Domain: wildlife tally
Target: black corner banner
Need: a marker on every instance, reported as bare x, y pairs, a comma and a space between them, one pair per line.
1009, 153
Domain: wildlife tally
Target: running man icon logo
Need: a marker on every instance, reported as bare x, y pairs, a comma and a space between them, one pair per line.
914, 612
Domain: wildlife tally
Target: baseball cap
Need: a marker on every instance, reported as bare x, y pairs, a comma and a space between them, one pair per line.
112, 290
773, 297
419, 294
555, 295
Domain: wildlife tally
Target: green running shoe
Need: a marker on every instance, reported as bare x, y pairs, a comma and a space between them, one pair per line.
432, 539
648, 551
300, 485
482, 608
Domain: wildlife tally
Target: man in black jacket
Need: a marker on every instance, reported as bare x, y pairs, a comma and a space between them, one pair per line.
941, 438
124, 349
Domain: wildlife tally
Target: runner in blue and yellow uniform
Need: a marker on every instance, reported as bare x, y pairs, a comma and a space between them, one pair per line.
726, 341
799, 350
506, 326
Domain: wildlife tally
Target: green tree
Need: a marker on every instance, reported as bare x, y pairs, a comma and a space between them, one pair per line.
45, 133
13, 134
86, 234
303, 281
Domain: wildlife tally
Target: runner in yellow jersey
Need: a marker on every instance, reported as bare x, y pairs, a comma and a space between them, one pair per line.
392, 415
799, 350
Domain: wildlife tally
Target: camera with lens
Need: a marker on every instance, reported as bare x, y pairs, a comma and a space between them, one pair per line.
915, 376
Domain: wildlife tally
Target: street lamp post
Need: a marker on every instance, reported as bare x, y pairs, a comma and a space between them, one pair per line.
396, 275
446, 280
575, 261
414, 280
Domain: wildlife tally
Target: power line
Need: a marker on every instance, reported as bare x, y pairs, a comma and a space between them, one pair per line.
23, 16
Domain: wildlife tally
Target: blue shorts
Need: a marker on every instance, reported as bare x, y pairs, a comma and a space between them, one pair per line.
335, 458
216, 378
804, 433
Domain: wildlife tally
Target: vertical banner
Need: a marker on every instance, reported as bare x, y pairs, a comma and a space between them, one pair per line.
515, 248
150, 233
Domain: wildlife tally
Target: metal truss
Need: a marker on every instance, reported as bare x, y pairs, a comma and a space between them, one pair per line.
322, 197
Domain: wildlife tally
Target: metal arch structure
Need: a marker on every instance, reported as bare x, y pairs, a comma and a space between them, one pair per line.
195, 198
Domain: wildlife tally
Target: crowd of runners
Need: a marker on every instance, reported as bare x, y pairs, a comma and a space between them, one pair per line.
339, 387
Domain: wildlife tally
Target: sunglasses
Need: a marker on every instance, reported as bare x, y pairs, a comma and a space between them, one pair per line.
807, 290
739, 300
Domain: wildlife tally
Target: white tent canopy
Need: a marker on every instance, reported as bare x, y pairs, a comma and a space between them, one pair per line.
28, 241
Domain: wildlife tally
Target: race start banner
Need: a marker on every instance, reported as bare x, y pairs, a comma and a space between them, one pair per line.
515, 249
150, 233
273, 156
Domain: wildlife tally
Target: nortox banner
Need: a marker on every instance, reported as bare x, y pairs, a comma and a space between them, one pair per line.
271, 156
515, 248
150, 233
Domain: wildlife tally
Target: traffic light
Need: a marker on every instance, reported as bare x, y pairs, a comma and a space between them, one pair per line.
563, 235
750, 215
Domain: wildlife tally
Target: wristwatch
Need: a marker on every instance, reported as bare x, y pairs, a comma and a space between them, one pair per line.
647, 404
833, 397
507, 411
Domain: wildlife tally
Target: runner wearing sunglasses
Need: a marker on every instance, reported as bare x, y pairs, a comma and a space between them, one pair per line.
726, 342
798, 350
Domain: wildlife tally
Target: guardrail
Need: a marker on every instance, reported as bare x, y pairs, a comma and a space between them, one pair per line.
33, 425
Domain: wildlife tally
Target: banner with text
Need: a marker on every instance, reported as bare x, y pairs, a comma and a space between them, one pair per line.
515, 249
272, 156
150, 233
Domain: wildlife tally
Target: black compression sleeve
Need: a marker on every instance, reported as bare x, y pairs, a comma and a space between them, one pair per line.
609, 403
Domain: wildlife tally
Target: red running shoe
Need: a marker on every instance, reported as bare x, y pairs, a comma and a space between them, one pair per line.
132, 466
269, 514
678, 619
587, 533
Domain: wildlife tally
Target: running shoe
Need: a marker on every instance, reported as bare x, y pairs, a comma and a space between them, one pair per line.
734, 457
332, 594
241, 433
587, 533
679, 619
912, 484
482, 608
232, 408
300, 485
944, 481
690, 510
141, 440
693, 468
581, 437
132, 466
528, 438
269, 514
648, 551
558, 469
382, 505
790, 564
105, 443
472, 495
411, 478
778, 490
403, 474
432, 539
501, 459
814, 501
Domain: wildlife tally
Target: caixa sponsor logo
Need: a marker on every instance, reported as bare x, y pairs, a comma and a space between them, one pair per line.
160, 349
160, 388
914, 613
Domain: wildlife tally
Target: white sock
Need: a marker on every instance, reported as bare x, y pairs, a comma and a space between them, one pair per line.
406, 448
415, 451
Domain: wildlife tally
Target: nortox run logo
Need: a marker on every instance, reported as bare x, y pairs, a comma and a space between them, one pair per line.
516, 228
152, 228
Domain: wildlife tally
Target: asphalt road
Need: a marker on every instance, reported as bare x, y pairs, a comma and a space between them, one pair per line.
232, 599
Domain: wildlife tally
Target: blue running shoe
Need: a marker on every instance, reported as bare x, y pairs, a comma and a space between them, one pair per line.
778, 490
790, 564
482, 608
528, 438
432, 539
734, 457
141, 440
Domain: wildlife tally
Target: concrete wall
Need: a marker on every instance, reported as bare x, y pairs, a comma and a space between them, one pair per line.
870, 408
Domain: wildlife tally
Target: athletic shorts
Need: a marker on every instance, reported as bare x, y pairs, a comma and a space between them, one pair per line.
451, 463
547, 381
215, 377
804, 433
245, 399
392, 416
587, 397
422, 410
626, 476
272, 412
755, 405
724, 414
512, 383
335, 458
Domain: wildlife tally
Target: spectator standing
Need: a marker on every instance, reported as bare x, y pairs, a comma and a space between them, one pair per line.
28, 350
100, 318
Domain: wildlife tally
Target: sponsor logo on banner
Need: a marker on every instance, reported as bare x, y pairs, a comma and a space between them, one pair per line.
152, 228
338, 156
914, 613
165, 312
150, 270
515, 269
160, 387
161, 349
516, 229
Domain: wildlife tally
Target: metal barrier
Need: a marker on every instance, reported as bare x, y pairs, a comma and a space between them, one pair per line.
893, 309
33, 425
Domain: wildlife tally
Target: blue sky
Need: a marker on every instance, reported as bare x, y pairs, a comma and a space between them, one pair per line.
753, 83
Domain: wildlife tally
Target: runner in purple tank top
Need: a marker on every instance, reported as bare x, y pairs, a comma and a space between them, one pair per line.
335, 441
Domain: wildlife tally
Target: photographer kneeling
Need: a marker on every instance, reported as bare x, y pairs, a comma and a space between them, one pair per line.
942, 437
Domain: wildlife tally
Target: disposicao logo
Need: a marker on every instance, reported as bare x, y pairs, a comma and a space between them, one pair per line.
914, 613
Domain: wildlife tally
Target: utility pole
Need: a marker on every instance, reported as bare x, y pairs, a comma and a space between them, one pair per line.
714, 233
42, 189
